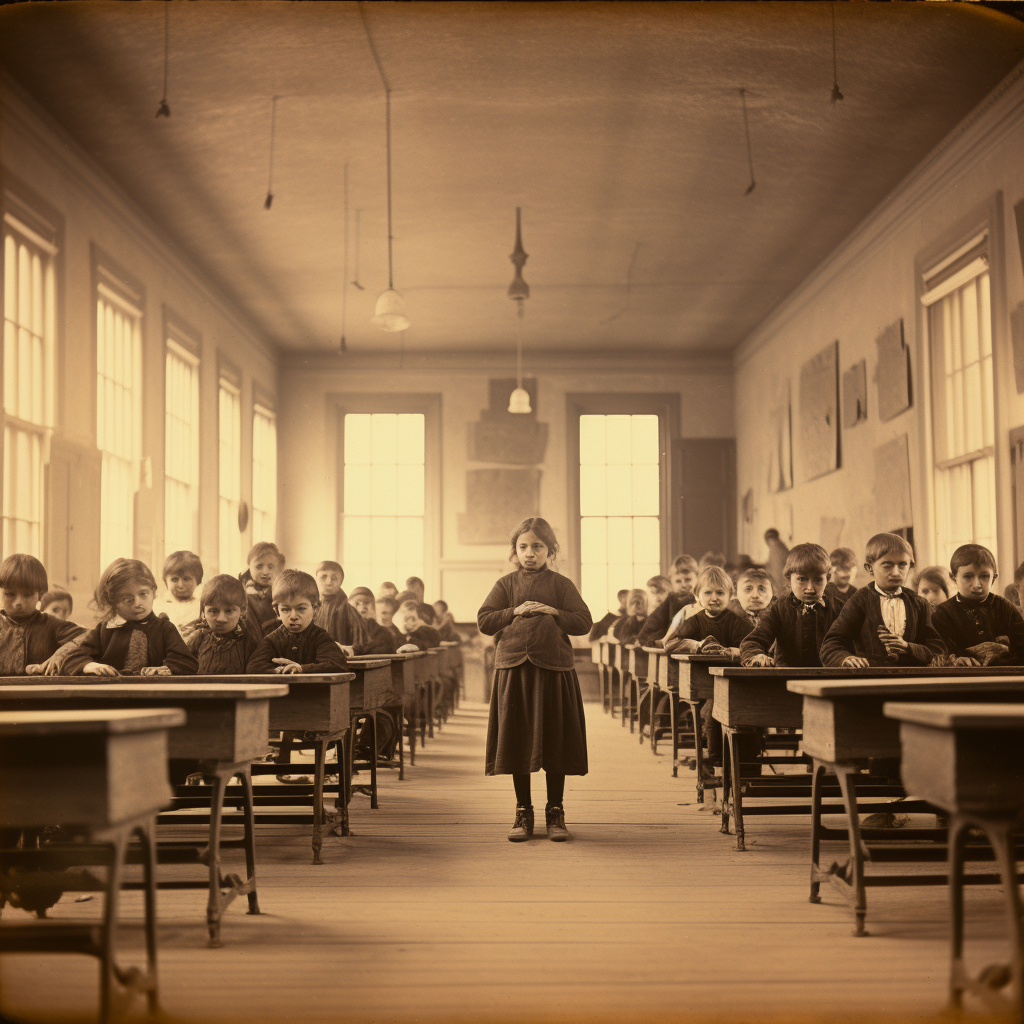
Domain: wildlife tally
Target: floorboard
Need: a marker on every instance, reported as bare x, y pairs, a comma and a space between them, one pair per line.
427, 913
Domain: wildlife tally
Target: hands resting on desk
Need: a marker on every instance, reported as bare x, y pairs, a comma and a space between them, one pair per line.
98, 668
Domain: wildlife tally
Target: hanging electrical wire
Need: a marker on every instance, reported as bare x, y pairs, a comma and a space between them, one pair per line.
164, 110
750, 152
355, 279
270, 173
836, 94
344, 272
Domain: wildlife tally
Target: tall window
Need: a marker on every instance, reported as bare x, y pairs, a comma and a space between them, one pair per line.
620, 536
29, 325
118, 419
960, 333
230, 486
181, 448
382, 521
264, 474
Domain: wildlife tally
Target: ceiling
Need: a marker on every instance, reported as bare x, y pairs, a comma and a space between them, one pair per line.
617, 127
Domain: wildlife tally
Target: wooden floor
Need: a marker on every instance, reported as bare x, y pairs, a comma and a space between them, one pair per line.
428, 913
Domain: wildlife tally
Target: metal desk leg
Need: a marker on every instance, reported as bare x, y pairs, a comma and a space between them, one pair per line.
108, 967
858, 851
698, 746
673, 713
731, 755
817, 773
250, 838
320, 749
147, 838
213, 903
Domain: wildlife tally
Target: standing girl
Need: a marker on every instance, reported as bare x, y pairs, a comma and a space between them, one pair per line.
536, 717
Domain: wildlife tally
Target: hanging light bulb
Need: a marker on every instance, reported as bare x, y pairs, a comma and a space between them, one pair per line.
390, 312
519, 291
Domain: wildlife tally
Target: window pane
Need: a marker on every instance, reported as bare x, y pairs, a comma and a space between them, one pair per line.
593, 490
593, 449
646, 446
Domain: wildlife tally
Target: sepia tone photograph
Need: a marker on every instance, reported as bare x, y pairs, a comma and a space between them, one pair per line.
512, 511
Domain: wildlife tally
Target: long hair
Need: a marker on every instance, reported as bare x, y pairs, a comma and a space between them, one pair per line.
121, 573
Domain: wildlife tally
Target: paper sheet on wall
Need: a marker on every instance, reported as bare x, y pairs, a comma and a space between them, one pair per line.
892, 485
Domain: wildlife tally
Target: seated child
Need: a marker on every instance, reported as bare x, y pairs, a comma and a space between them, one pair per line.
1012, 594
183, 572
378, 638
884, 623
58, 603
412, 631
683, 575
385, 611
840, 586
265, 562
977, 626
714, 629
754, 593
335, 614
298, 644
600, 629
444, 623
221, 643
387, 589
658, 589
130, 638
416, 586
627, 629
932, 583
29, 639
796, 624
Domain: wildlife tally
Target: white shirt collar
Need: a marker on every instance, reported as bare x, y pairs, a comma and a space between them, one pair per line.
896, 593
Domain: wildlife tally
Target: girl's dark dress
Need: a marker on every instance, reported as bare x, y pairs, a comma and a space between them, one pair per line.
536, 716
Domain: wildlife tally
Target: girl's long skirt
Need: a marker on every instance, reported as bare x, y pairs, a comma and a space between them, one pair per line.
536, 721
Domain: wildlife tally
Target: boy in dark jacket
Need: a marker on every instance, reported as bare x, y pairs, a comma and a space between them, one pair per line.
977, 626
412, 631
298, 644
797, 623
335, 613
378, 638
840, 586
265, 562
884, 623
683, 577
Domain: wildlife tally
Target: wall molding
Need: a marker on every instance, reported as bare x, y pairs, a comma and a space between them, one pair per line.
968, 143
19, 111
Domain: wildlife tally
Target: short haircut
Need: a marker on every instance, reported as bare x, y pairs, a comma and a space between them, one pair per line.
443, 604
685, 563
183, 561
638, 594
23, 572
407, 602
714, 576
756, 572
53, 596
404, 597
621, 594
807, 560
887, 544
711, 558
659, 582
414, 581
388, 587
363, 592
295, 583
328, 566
845, 558
1018, 573
426, 613
972, 554
121, 573
771, 534
935, 575
262, 549
223, 590
387, 603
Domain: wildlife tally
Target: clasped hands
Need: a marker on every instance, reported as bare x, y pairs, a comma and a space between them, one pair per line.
98, 668
528, 608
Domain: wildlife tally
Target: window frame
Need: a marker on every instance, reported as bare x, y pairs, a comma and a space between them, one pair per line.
664, 405
228, 380
41, 234
263, 406
985, 218
185, 343
429, 405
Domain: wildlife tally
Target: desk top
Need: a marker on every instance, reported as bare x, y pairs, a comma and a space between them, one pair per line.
960, 716
703, 659
876, 672
831, 688
451, 643
375, 662
151, 691
49, 723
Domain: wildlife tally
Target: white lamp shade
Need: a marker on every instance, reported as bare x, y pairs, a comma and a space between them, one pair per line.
390, 312
519, 401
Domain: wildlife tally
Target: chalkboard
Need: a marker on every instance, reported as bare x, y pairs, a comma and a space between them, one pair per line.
819, 413
497, 499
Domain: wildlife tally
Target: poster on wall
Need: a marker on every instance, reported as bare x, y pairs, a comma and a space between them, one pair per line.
780, 443
855, 395
819, 413
892, 484
893, 375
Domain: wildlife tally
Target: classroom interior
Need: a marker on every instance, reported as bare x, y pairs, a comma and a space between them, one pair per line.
772, 277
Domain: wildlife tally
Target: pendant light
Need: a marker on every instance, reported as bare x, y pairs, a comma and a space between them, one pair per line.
519, 292
389, 314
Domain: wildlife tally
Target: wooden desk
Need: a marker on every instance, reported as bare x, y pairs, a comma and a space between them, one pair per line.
226, 729
845, 731
369, 692
637, 664
102, 774
968, 759
695, 686
424, 668
403, 682
751, 698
